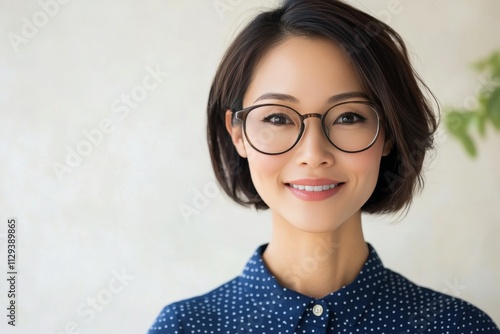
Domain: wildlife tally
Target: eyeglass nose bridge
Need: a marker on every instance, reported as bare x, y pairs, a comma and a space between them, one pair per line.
311, 115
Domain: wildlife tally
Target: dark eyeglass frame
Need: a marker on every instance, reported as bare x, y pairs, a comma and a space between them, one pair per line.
241, 115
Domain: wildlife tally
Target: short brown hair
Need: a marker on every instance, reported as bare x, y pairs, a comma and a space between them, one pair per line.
380, 59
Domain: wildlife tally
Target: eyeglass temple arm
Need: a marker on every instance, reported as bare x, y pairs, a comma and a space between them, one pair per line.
238, 116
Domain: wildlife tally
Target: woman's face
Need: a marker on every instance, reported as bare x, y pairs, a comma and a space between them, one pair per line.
311, 71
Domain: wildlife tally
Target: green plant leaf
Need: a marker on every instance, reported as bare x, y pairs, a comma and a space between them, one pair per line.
468, 144
494, 108
457, 121
490, 64
480, 119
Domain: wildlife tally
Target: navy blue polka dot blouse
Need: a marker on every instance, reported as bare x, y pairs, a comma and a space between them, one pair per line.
378, 301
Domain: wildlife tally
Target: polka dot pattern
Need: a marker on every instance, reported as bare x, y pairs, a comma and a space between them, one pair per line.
378, 301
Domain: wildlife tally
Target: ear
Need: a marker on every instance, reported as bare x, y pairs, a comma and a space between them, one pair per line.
236, 133
387, 146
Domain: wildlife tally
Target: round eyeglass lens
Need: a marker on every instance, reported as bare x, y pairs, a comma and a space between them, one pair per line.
351, 126
272, 129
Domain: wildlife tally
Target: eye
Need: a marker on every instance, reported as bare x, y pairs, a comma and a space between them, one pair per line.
349, 118
278, 119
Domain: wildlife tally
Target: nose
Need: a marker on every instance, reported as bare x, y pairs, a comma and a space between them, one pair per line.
314, 149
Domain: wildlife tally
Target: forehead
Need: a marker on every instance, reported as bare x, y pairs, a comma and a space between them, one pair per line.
310, 69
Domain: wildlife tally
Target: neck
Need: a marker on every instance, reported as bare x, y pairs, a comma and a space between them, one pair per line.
316, 264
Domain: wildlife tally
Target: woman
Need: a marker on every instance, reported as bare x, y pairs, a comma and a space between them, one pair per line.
316, 114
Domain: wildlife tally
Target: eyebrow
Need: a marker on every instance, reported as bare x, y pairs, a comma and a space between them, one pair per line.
292, 99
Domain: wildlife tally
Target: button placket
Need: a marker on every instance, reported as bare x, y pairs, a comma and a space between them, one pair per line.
317, 310
315, 318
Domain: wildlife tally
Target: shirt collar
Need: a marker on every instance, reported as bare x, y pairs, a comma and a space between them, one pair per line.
347, 303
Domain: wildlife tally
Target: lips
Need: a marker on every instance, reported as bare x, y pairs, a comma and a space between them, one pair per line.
314, 189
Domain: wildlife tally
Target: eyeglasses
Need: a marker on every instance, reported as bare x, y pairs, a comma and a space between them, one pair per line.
351, 126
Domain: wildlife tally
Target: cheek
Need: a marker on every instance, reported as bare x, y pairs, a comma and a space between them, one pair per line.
265, 171
263, 166
374, 154
372, 172
366, 166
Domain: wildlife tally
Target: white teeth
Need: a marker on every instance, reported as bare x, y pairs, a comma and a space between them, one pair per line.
313, 188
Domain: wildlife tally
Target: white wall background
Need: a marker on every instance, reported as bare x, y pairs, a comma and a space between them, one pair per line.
118, 210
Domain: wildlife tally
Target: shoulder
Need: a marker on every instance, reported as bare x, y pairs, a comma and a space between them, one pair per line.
428, 310
202, 311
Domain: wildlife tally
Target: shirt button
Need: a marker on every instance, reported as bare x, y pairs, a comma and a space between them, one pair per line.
317, 310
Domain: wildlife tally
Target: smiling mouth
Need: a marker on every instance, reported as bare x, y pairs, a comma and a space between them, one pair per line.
314, 188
